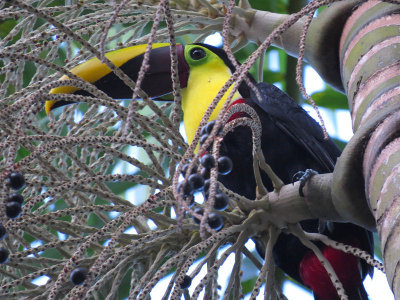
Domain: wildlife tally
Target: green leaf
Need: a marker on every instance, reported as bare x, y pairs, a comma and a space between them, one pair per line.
272, 77
22, 152
6, 27
377, 246
29, 72
279, 6
248, 285
330, 98
119, 187
341, 144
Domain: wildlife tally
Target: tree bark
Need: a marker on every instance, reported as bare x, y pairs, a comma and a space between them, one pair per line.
370, 70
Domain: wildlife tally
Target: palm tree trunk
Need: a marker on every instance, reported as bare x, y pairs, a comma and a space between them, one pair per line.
370, 70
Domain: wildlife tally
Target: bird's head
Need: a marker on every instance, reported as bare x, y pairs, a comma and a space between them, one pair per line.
203, 70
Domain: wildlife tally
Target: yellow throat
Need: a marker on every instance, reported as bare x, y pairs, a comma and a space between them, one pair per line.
204, 82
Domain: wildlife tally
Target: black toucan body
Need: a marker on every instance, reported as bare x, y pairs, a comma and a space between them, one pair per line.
291, 142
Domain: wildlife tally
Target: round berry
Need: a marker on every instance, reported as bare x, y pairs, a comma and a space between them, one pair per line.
3, 231
78, 276
207, 161
224, 165
186, 167
205, 172
186, 282
15, 197
185, 187
221, 201
203, 130
203, 138
207, 193
215, 221
199, 211
210, 126
207, 185
197, 181
16, 180
207, 190
13, 210
4, 253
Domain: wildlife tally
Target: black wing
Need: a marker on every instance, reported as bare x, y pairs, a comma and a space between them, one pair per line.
294, 121
302, 145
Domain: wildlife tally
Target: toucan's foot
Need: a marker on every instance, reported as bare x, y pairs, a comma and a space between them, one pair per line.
303, 177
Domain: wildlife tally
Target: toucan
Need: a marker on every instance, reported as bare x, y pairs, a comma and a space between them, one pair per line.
291, 141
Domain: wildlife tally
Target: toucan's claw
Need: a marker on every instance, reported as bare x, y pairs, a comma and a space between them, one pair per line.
303, 177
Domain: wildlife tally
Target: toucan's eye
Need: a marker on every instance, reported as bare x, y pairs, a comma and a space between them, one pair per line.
197, 53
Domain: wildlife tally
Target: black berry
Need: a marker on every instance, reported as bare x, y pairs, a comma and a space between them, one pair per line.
4, 253
207, 161
215, 221
206, 185
197, 181
199, 211
15, 197
224, 165
221, 201
16, 180
3, 231
78, 276
13, 210
207, 188
186, 282
205, 172
186, 167
203, 138
203, 130
209, 127
185, 187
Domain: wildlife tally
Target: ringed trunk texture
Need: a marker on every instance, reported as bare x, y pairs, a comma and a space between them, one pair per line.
370, 70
